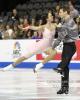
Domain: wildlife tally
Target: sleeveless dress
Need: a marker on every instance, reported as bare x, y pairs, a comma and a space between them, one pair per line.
44, 43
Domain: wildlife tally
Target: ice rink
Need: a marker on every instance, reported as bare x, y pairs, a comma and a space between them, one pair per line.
23, 84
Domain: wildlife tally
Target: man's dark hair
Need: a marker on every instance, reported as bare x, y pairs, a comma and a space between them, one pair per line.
66, 8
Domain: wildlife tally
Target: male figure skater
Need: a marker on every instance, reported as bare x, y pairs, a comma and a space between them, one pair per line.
68, 33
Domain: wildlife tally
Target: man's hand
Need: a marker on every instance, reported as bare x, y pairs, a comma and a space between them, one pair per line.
59, 25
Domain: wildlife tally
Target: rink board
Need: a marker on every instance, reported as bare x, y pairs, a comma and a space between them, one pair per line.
10, 50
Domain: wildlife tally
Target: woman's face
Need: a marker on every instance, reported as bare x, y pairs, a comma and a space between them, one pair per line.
50, 17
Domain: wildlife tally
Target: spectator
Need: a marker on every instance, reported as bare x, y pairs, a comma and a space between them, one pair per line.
14, 15
40, 35
78, 23
73, 12
16, 32
7, 32
35, 36
25, 22
33, 21
29, 34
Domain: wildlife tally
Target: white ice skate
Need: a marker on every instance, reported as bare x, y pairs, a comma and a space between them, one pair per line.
38, 67
8, 68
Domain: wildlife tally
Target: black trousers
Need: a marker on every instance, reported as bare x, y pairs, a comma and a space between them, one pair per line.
68, 51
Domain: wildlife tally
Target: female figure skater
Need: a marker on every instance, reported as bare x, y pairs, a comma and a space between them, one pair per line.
44, 45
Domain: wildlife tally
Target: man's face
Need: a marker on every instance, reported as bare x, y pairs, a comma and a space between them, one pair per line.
71, 7
61, 13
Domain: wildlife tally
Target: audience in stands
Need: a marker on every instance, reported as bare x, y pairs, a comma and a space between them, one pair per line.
10, 23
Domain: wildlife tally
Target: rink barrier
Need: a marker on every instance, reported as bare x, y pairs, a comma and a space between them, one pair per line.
46, 66
10, 50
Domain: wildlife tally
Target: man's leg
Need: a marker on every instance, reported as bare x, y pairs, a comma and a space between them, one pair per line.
64, 82
68, 52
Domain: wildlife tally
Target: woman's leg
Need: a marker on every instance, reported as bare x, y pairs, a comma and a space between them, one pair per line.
19, 60
51, 53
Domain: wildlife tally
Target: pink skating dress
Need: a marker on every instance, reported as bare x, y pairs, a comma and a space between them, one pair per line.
43, 44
